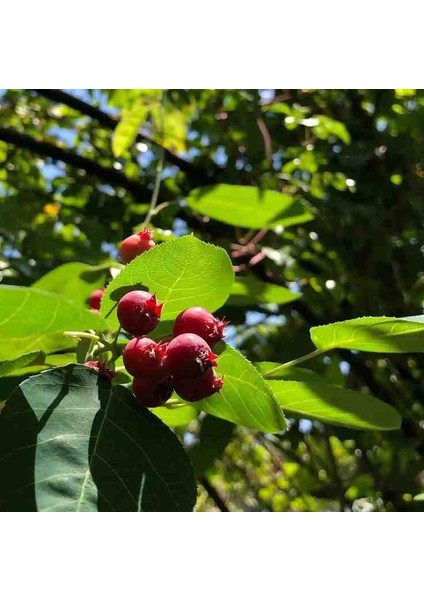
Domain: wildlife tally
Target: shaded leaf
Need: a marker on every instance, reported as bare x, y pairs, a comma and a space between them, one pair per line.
11, 366
250, 290
82, 445
214, 436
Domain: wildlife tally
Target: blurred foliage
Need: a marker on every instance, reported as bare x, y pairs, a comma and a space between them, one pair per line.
71, 188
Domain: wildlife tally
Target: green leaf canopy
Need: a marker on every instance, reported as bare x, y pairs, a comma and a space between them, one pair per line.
70, 442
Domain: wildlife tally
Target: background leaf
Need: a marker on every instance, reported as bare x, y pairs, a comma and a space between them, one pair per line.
83, 445
28, 316
184, 272
128, 126
250, 290
245, 398
248, 206
372, 334
75, 280
176, 417
334, 405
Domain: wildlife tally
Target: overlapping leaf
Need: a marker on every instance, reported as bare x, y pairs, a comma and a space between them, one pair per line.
245, 398
30, 318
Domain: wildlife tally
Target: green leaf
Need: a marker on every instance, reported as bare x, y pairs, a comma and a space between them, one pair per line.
11, 366
326, 127
372, 334
29, 316
127, 128
249, 290
419, 497
245, 398
75, 280
184, 272
214, 436
176, 417
71, 442
334, 405
247, 206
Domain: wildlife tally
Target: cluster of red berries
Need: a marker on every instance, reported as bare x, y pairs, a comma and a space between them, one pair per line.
184, 363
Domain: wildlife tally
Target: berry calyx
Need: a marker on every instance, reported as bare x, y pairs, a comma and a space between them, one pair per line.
101, 368
94, 300
152, 393
201, 322
143, 357
136, 244
188, 355
199, 388
139, 312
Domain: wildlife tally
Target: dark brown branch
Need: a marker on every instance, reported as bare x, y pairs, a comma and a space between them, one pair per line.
110, 123
91, 167
214, 494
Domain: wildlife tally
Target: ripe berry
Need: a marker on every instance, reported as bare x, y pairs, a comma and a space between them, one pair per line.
201, 322
198, 388
138, 312
188, 355
136, 244
144, 358
150, 393
101, 368
95, 299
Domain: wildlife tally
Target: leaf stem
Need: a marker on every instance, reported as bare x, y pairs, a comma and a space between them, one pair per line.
292, 363
159, 167
82, 335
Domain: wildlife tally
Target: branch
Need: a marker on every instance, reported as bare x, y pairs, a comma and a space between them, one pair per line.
47, 149
110, 123
214, 494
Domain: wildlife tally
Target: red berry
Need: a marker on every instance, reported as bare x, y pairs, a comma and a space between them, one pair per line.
95, 299
151, 393
136, 244
101, 368
201, 322
201, 387
144, 358
139, 312
188, 355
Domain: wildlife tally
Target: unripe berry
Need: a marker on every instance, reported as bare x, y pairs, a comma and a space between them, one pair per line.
201, 322
136, 244
139, 312
188, 355
101, 368
95, 299
198, 388
151, 393
143, 357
